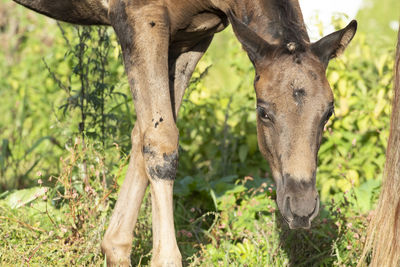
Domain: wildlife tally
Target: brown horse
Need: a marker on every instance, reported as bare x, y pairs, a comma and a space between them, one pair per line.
162, 41
383, 233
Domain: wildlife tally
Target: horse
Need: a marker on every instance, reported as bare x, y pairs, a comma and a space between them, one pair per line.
162, 41
383, 235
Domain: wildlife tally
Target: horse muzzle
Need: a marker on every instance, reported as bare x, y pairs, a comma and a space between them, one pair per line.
302, 220
298, 202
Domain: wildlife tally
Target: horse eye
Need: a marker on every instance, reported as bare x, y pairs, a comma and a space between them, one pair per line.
328, 115
263, 114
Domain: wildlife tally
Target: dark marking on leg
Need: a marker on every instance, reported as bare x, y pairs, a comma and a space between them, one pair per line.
147, 150
167, 170
152, 24
158, 122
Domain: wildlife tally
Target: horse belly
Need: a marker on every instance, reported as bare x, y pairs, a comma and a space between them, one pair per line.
85, 12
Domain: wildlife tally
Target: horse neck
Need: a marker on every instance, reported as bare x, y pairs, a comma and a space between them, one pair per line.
276, 21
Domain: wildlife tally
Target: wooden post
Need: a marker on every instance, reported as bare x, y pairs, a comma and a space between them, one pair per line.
383, 238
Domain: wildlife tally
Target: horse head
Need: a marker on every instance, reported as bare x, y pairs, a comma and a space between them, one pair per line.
294, 102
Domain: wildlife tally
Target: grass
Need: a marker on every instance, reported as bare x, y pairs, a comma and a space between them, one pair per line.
62, 225
264, 240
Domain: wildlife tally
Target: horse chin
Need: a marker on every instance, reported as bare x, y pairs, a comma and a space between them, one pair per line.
300, 223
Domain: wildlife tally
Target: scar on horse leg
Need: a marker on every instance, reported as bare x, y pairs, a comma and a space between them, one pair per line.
117, 241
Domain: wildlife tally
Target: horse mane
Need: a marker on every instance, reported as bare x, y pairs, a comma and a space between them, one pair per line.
291, 25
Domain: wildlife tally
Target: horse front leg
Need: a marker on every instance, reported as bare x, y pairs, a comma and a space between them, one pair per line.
181, 68
117, 241
143, 32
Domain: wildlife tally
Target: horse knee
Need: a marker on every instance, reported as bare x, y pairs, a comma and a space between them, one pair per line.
160, 150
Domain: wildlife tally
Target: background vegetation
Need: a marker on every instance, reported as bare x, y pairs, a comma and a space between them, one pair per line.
66, 116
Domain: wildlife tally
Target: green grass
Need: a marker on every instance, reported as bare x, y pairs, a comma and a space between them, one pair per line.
63, 227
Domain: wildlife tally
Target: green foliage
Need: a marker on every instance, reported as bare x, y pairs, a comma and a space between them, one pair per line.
353, 150
250, 232
53, 87
90, 86
27, 141
220, 124
61, 223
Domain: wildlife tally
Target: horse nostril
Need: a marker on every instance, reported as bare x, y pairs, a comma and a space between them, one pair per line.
315, 212
286, 209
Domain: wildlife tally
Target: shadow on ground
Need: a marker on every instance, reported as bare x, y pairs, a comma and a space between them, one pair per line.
312, 247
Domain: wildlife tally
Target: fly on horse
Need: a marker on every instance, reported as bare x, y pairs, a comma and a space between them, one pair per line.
162, 41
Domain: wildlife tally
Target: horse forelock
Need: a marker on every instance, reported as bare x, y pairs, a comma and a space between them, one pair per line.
291, 23
284, 24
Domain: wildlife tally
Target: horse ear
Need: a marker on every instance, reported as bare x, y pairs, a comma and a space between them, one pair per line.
255, 46
334, 44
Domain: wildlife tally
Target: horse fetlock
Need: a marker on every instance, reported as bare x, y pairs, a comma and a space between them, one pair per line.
173, 259
167, 263
116, 254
